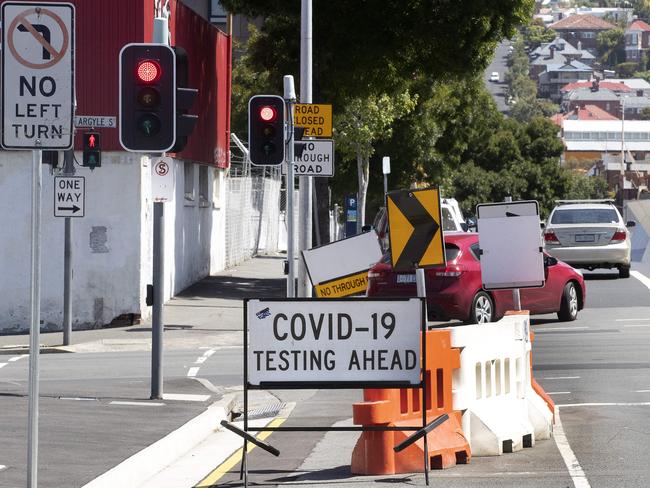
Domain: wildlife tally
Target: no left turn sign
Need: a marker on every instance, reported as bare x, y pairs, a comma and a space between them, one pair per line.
37, 75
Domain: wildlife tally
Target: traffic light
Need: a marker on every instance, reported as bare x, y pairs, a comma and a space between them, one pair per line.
92, 144
266, 114
147, 98
184, 99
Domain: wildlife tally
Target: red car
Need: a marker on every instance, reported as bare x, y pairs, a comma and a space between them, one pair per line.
455, 291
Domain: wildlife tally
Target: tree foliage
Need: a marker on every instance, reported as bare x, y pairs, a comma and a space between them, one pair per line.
611, 46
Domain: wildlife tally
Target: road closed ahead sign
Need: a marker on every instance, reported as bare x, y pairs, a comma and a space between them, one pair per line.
356, 342
37, 75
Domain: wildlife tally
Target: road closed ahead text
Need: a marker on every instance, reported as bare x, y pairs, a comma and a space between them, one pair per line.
334, 341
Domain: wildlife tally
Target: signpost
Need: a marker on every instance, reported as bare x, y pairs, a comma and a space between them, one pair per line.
315, 118
37, 109
340, 268
37, 75
95, 122
69, 196
315, 159
415, 232
162, 179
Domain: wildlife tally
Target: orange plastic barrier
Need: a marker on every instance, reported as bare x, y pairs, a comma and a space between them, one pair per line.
373, 453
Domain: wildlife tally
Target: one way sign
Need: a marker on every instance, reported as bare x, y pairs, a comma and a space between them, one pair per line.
69, 196
414, 229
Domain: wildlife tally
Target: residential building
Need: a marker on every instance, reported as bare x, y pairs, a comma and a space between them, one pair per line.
551, 81
583, 112
637, 40
583, 28
638, 85
556, 52
602, 98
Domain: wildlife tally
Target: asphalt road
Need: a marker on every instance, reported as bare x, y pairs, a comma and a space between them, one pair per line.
498, 64
95, 410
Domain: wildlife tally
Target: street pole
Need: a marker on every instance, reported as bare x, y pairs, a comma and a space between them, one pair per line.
516, 297
385, 166
160, 36
68, 170
35, 320
305, 182
290, 99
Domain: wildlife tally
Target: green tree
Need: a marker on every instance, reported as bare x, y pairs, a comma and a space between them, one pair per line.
360, 125
536, 33
611, 46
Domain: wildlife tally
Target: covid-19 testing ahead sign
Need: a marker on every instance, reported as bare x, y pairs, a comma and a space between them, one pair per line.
333, 341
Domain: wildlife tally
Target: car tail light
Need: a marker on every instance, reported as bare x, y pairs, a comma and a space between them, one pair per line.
376, 274
619, 236
550, 238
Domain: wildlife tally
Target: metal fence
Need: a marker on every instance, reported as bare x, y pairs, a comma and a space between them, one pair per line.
252, 210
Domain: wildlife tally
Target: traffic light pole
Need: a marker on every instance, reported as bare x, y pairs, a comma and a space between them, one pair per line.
290, 99
68, 170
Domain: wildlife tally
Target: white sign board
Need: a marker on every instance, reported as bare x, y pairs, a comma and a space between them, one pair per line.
95, 122
510, 240
37, 75
342, 258
69, 196
317, 159
162, 179
334, 340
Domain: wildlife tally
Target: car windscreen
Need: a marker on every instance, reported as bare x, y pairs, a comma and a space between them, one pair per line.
585, 216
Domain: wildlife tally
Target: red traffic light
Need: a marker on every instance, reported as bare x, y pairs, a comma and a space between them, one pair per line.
148, 71
268, 113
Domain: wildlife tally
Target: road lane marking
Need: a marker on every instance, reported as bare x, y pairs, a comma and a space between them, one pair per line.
79, 399
2, 365
558, 392
641, 277
200, 360
2, 466
630, 320
559, 328
561, 378
16, 358
641, 391
235, 458
138, 404
610, 404
185, 397
636, 325
192, 371
573, 466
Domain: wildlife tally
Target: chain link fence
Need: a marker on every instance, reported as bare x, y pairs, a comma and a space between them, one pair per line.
253, 217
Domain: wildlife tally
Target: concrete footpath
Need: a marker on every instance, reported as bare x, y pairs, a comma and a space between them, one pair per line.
98, 426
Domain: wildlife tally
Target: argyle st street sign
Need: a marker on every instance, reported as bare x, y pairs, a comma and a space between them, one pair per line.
415, 231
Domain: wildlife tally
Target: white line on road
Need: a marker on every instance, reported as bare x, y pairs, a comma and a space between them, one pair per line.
200, 360
561, 378
185, 397
630, 320
559, 328
192, 372
641, 391
209, 353
612, 404
138, 404
2, 466
79, 399
16, 358
641, 277
559, 392
575, 470
2, 365
636, 325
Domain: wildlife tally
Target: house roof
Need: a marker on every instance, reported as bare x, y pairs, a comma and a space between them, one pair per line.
569, 66
587, 112
637, 102
586, 94
543, 60
581, 22
615, 87
638, 25
634, 83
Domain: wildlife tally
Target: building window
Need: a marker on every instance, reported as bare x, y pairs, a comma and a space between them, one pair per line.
204, 186
588, 35
188, 171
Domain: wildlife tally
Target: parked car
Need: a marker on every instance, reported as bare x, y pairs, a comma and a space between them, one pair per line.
589, 234
455, 291
494, 76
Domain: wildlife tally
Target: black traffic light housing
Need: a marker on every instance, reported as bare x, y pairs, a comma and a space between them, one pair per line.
147, 121
92, 149
266, 116
185, 98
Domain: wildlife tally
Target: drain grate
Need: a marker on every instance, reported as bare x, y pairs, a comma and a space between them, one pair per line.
265, 411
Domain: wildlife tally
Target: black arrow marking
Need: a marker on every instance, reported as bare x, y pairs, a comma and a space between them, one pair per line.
424, 228
73, 209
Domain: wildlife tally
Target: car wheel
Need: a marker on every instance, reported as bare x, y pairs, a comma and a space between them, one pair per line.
569, 306
623, 271
482, 310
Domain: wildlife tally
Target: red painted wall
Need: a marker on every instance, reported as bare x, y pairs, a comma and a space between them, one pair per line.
103, 27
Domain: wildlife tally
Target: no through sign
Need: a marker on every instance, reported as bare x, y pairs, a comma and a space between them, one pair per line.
37, 75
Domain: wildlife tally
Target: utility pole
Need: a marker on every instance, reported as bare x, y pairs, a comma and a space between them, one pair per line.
290, 100
68, 170
305, 182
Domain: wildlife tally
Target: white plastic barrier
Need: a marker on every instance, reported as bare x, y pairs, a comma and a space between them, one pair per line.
501, 411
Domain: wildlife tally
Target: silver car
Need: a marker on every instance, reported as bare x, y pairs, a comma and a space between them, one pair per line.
589, 234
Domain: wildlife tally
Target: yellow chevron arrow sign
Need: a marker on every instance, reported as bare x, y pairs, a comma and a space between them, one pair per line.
415, 230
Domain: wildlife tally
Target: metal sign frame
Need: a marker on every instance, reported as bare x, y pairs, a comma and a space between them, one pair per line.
419, 429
